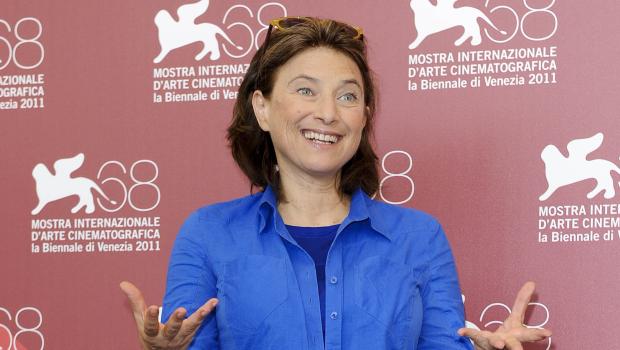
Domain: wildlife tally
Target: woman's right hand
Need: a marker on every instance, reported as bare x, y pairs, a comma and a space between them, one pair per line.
176, 334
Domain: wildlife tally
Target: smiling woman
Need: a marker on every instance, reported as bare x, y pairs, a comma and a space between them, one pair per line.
315, 113
311, 261
354, 93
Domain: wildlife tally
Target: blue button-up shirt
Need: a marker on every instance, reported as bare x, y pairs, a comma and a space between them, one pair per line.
390, 280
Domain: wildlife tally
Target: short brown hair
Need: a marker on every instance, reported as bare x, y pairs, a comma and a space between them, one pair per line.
252, 148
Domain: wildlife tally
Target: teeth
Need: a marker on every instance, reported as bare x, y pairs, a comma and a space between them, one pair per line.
311, 135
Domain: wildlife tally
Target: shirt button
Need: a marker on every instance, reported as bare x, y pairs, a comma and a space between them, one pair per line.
333, 280
333, 315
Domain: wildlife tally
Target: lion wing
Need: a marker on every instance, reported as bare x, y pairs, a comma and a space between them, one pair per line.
64, 167
580, 148
189, 12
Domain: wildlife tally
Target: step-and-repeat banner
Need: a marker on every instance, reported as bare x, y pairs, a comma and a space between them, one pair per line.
499, 117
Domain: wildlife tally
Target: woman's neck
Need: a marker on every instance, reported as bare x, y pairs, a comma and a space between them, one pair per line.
309, 201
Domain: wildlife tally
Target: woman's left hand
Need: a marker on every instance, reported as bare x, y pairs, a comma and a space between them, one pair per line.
512, 332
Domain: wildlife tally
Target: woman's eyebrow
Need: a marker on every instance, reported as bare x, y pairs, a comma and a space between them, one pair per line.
351, 81
316, 80
304, 76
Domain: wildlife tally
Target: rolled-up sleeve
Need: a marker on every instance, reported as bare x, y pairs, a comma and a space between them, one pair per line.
441, 298
191, 280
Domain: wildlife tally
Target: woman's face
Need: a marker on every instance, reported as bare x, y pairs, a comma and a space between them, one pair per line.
315, 114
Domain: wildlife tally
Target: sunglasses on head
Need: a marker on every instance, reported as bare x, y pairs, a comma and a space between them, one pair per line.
284, 23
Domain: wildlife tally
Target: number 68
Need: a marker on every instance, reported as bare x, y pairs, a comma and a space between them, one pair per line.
13, 339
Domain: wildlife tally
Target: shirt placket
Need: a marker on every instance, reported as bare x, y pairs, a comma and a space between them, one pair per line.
334, 295
305, 271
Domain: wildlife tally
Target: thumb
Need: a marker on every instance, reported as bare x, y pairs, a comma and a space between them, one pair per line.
467, 332
135, 299
482, 339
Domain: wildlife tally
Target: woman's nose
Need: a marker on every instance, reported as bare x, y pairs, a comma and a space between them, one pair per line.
327, 110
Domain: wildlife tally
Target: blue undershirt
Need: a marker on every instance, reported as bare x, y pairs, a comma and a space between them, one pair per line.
316, 242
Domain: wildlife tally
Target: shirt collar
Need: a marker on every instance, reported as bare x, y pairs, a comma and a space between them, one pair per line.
362, 208
266, 206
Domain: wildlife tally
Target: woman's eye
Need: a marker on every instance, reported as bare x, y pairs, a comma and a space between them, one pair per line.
349, 97
304, 91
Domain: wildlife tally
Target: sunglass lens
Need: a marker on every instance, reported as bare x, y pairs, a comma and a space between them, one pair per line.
291, 21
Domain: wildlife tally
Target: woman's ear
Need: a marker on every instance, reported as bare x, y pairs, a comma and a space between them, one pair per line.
260, 106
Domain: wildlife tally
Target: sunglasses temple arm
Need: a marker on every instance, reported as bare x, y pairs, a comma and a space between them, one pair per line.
268, 35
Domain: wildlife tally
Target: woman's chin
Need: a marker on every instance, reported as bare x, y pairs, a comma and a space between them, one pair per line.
323, 171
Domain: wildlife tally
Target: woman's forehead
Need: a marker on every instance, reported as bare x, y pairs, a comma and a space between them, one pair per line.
322, 64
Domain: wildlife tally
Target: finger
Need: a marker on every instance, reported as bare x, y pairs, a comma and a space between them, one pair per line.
174, 323
497, 342
522, 301
496, 339
467, 332
533, 334
513, 344
194, 321
136, 300
481, 338
151, 321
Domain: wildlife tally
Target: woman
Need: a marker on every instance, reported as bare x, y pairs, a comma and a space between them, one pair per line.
312, 262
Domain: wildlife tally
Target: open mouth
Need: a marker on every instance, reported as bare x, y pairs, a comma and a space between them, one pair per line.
318, 137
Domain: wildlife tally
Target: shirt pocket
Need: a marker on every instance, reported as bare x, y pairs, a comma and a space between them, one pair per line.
251, 288
390, 293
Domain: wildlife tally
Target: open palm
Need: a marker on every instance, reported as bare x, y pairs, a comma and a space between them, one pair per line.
512, 332
176, 334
